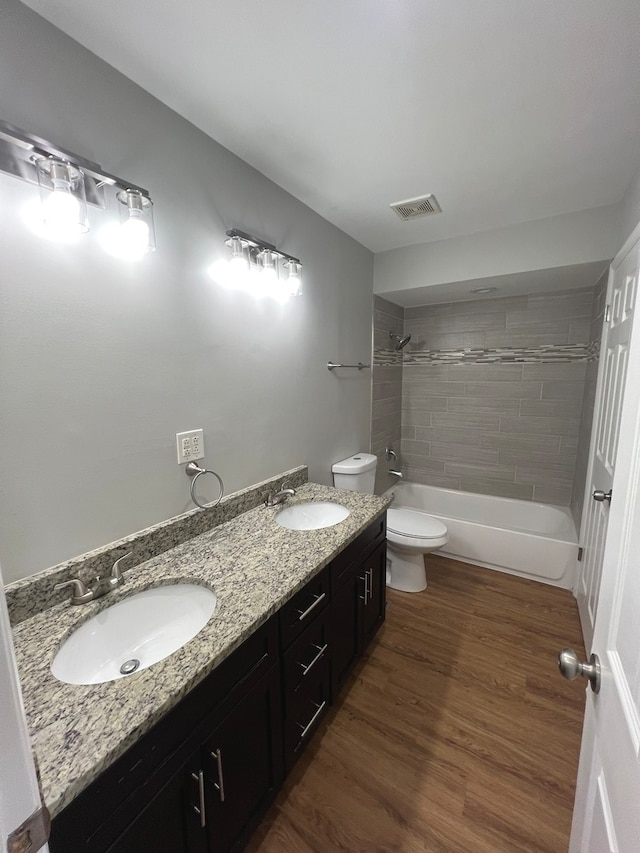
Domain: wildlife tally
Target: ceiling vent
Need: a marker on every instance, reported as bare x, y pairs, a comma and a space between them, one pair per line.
424, 205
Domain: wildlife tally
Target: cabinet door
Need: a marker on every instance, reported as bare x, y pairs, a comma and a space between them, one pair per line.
172, 822
344, 630
373, 572
243, 765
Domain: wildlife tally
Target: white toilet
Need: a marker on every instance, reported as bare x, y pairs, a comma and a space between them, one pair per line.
410, 533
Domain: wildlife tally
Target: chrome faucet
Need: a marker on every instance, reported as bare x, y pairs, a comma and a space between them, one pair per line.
397, 474
99, 586
279, 497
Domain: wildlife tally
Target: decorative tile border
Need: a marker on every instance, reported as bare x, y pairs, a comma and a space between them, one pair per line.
498, 355
33, 594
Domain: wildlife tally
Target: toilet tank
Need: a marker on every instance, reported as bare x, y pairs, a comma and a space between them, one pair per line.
357, 473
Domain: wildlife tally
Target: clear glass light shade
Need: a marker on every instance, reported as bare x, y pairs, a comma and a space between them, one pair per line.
293, 280
62, 192
136, 235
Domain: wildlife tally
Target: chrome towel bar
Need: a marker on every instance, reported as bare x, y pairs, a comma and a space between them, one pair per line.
358, 366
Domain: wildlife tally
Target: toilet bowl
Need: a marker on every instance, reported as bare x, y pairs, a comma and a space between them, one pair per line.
410, 533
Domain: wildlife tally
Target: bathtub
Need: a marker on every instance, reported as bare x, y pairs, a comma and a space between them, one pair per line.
532, 540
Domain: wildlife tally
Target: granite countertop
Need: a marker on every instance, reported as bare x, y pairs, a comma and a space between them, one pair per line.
252, 564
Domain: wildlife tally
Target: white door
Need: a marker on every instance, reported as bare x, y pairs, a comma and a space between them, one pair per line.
607, 809
612, 373
19, 794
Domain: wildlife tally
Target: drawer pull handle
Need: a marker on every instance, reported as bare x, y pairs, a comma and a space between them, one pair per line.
305, 729
365, 597
199, 778
305, 613
369, 574
219, 785
309, 666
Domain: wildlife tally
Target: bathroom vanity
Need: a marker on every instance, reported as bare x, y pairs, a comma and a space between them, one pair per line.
182, 766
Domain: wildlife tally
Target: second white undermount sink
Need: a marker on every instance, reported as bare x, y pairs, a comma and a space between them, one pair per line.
312, 516
134, 633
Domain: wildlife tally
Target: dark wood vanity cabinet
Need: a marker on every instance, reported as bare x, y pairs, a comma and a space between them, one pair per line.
200, 780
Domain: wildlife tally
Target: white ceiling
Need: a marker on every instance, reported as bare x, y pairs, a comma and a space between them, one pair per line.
507, 110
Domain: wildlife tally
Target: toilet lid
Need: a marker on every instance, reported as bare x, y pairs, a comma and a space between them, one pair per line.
418, 525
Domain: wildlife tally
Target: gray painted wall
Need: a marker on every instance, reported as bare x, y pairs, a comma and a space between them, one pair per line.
630, 206
101, 363
502, 429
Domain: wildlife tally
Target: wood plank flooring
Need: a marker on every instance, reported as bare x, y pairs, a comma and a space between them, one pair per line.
456, 733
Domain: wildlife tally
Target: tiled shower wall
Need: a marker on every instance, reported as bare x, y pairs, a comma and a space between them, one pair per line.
492, 393
386, 404
588, 401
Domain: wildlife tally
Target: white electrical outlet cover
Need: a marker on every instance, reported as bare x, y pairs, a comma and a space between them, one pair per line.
190, 446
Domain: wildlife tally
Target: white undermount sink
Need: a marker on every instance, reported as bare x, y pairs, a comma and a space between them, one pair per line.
134, 633
312, 516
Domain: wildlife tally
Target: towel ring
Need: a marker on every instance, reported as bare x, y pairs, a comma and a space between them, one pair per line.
194, 471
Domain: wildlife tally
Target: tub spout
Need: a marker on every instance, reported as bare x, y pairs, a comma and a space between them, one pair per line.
397, 474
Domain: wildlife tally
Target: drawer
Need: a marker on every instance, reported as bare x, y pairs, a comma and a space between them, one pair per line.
304, 712
305, 605
357, 550
306, 655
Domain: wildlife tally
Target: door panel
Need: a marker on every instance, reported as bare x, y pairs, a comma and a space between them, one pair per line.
612, 376
607, 814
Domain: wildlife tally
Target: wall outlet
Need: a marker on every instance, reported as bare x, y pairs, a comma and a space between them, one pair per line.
190, 445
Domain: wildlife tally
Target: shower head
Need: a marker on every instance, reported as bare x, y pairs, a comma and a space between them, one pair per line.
401, 342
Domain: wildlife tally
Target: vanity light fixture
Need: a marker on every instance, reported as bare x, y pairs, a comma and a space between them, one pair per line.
254, 266
68, 183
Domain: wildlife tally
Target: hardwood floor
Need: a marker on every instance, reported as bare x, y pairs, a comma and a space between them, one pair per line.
456, 733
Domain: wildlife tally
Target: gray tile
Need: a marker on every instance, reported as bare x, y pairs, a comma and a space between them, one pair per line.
519, 390
490, 306
431, 478
433, 387
426, 463
463, 453
446, 340
537, 321
579, 331
471, 420
578, 300
513, 338
454, 324
387, 373
416, 448
486, 372
562, 463
550, 409
539, 426
386, 391
408, 432
481, 471
424, 404
425, 372
568, 443
483, 404
557, 495
563, 390
422, 312
381, 408
415, 418
575, 371
504, 441
496, 487
470, 437
532, 476
386, 424
387, 307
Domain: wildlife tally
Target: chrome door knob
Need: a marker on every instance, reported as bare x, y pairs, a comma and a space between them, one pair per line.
571, 668
599, 495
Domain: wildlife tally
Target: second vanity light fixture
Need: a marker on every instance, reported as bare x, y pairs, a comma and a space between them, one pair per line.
68, 183
255, 265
